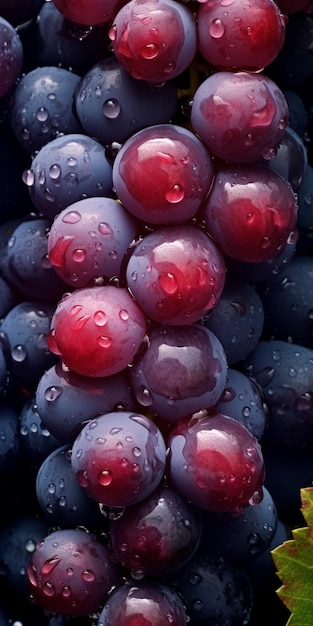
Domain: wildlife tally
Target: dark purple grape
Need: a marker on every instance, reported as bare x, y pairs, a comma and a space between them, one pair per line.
261, 568
28, 267
239, 537
216, 592
98, 331
23, 337
11, 56
288, 468
112, 105
240, 116
284, 372
305, 201
67, 169
245, 36
176, 274
156, 49
71, 573
66, 401
298, 112
266, 271
158, 535
250, 212
143, 603
18, 540
88, 12
62, 501
119, 458
242, 400
237, 319
288, 302
215, 462
162, 174
43, 107
37, 441
54, 42
88, 241
8, 296
294, 64
291, 159
182, 371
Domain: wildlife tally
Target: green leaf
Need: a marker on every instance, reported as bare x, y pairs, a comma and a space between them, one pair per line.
294, 563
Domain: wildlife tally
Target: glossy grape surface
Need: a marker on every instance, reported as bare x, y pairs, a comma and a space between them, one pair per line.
176, 274
49, 96
97, 331
216, 463
11, 56
158, 535
143, 603
65, 170
242, 399
87, 12
112, 105
250, 212
242, 34
183, 370
89, 240
66, 400
240, 116
155, 40
162, 174
71, 572
119, 458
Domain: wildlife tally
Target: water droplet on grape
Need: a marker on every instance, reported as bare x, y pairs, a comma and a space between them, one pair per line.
42, 114
111, 108
79, 255
104, 228
104, 341
88, 575
28, 178
71, 161
150, 51
49, 565
53, 393
217, 28
66, 591
100, 318
55, 171
168, 283
105, 477
175, 194
19, 353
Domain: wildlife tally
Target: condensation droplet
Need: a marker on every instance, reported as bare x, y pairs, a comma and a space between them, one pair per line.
217, 28
105, 477
111, 108
100, 318
104, 341
175, 194
55, 171
42, 114
28, 178
150, 51
104, 228
79, 255
19, 353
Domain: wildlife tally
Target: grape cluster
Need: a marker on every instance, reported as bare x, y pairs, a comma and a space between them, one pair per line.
156, 363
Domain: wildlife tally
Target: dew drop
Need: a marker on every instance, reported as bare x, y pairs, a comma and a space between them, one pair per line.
28, 178
53, 393
66, 591
79, 255
197, 605
48, 589
49, 565
71, 161
104, 341
111, 108
71, 217
55, 171
104, 228
100, 318
150, 51
123, 315
144, 396
88, 575
217, 28
19, 353
175, 194
105, 477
